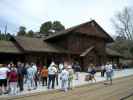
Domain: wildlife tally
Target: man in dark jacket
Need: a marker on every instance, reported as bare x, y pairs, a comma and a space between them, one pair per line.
77, 69
21, 73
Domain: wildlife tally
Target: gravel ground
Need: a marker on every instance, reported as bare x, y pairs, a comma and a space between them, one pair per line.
121, 87
80, 82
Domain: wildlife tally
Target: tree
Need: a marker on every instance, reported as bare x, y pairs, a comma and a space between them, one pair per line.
57, 26
5, 36
30, 33
22, 31
123, 23
124, 47
120, 38
46, 27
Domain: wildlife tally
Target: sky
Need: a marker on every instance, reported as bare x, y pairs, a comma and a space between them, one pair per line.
32, 13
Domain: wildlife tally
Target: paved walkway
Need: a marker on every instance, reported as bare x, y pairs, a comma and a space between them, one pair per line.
81, 81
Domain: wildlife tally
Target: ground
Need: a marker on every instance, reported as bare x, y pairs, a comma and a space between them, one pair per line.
121, 88
85, 91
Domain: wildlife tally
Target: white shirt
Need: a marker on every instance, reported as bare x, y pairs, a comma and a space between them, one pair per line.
64, 75
35, 68
61, 66
52, 64
52, 70
30, 73
108, 68
3, 72
102, 67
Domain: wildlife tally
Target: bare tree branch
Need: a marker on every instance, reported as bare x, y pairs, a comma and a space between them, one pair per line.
123, 23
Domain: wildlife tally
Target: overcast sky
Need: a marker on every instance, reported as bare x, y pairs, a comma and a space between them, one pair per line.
32, 13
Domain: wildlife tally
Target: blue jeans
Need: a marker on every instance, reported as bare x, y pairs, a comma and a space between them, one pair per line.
51, 78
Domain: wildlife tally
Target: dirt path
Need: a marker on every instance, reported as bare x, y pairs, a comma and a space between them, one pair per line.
121, 87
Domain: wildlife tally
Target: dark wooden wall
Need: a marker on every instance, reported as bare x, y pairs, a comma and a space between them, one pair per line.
77, 43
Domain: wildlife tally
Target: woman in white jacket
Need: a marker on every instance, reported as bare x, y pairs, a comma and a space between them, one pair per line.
64, 79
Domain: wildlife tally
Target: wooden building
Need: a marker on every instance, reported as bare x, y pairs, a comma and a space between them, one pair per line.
85, 43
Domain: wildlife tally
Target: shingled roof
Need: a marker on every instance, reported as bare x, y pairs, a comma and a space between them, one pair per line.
111, 52
8, 47
91, 28
37, 45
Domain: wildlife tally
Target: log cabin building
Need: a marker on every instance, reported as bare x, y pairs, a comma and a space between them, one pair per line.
85, 43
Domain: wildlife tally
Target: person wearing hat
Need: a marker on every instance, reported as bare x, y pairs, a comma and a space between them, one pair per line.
3, 78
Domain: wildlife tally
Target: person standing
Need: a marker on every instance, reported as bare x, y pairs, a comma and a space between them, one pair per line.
57, 75
70, 77
61, 66
109, 72
93, 72
36, 74
30, 77
103, 70
3, 78
20, 72
51, 75
13, 80
64, 79
77, 70
44, 75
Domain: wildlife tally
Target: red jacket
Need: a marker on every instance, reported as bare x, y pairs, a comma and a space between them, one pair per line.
13, 76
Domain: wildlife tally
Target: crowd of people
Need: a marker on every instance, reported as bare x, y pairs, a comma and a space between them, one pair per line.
13, 77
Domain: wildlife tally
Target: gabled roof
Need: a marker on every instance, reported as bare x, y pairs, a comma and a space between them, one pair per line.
91, 28
8, 47
37, 45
